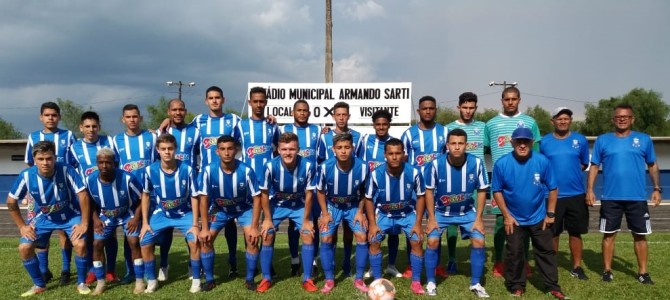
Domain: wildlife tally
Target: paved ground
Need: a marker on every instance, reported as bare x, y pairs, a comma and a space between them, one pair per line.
660, 221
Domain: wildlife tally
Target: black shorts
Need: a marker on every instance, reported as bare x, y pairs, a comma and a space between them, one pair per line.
637, 216
572, 214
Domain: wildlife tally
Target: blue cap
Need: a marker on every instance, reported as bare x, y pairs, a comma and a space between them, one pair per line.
522, 133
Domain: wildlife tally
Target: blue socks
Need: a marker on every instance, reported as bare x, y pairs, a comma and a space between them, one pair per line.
33, 268
196, 265
43, 258
252, 260
138, 267
149, 269
431, 264
477, 258
361, 259
99, 270
417, 266
207, 260
307, 259
81, 262
66, 255
376, 265
266, 261
327, 260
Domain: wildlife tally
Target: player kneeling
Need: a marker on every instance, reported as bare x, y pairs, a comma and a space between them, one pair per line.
340, 181
450, 183
116, 195
230, 189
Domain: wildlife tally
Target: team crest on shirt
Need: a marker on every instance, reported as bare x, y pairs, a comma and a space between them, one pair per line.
62, 142
476, 131
183, 182
313, 136
241, 185
190, 140
123, 193
227, 122
471, 178
636, 142
520, 124
147, 145
60, 185
536, 179
409, 186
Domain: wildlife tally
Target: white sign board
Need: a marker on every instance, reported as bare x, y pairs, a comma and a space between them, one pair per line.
363, 99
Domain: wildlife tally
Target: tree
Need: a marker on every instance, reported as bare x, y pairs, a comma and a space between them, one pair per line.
486, 115
651, 113
542, 118
70, 116
8, 131
158, 113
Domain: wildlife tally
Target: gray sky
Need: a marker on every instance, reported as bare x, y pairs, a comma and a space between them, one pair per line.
105, 54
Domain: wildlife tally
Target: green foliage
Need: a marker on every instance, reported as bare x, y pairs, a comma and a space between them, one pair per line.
542, 117
8, 131
70, 116
448, 115
158, 113
486, 115
651, 113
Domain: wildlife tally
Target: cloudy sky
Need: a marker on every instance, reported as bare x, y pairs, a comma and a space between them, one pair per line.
105, 54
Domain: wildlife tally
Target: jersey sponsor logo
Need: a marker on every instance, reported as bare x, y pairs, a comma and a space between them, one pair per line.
473, 146
392, 206
343, 199
182, 156
113, 213
228, 202
425, 158
374, 164
135, 165
170, 204
504, 139
452, 199
90, 170
288, 196
209, 142
252, 151
306, 152
58, 206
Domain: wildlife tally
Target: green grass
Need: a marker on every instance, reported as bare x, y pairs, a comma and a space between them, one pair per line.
15, 279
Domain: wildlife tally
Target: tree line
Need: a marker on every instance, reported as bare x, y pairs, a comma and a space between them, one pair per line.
651, 115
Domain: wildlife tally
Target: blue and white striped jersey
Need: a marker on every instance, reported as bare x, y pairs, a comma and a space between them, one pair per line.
54, 198
173, 191
285, 187
258, 139
211, 128
116, 199
343, 188
62, 138
453, 187
188, 139
394, 196
308, 139
231, 193
371, 150
85, 153
325, 148
135, 152
423, 146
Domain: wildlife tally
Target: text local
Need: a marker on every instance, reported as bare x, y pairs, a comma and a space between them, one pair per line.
344, 94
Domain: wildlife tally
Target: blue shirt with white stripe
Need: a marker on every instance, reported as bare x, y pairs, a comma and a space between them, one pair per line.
135, 152
173, 190
116, 199
394, 196
258, 139
62, 139
424, 145
188, 140
85, 153
308, 139
454, 186
231, 193
342, 187
285, 187
211, 128
55, 197
371, 150
325, 149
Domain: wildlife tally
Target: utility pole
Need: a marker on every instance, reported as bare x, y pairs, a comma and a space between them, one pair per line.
329, 41
504, 84
180, 84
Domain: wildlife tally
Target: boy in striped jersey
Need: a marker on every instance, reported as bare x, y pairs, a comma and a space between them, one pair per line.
257, 136
423, 143
340, 181
309, 136
84, 151
286, 193
498, 136
450, 182
467, 107
394, 201
371, 150
116, 196
63, 139
174, 185
53, 187
231, 187
136, 149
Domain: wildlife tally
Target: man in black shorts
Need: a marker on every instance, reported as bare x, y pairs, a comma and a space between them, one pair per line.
568, 153
625, 156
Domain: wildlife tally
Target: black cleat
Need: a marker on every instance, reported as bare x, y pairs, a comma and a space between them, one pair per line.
233, 273
250, 285
578, 273
64, 278
644, 278
295, 269
47, 276
607, 276
208, 286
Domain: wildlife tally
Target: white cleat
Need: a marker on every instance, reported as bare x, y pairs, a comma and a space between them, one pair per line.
152, 285
431, 289
479, 290
163, 274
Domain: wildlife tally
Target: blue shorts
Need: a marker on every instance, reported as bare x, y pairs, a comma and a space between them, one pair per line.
338, 215
109, 230
44, 227
159, 223
464, 222
218, 220
282, 213
394, 225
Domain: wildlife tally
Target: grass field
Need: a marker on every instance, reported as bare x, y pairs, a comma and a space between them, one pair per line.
15, 279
